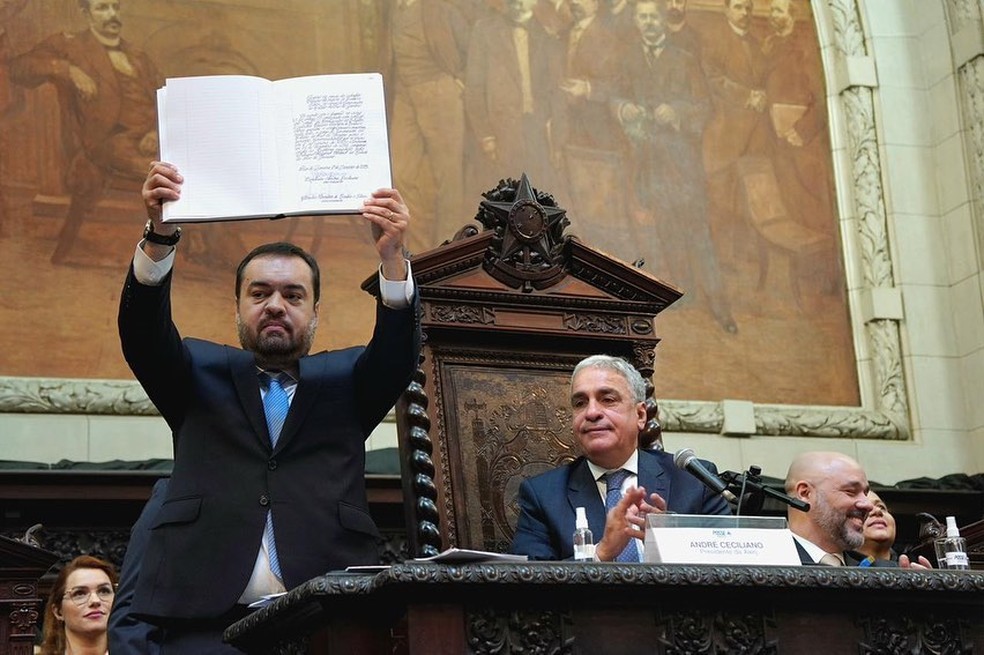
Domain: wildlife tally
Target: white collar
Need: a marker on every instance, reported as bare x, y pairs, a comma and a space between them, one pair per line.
631, 465
814, 551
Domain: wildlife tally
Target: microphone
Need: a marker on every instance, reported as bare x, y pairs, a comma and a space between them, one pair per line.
686, 459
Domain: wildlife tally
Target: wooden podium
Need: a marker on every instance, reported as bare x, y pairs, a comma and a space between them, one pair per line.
21, 607
616, 609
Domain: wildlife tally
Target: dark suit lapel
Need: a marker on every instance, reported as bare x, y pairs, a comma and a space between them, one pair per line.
652, 477
311, 371
582, 491
246, 378
804, 556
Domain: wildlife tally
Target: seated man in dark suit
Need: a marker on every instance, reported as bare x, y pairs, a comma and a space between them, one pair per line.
836, 488
607, 398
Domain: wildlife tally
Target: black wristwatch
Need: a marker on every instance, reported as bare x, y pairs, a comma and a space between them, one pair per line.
160, 239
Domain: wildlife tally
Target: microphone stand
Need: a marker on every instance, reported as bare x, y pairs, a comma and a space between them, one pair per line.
751, 480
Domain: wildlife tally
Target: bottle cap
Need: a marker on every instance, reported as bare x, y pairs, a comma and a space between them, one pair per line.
581, 519
951, 527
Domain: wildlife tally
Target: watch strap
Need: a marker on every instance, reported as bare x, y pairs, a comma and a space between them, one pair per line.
161, 239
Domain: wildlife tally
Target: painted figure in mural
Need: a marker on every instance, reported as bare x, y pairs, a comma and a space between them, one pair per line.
795, 127
10, 100
425, 59
679, 32
586, 133
618, 15
106, 92
554, 15
11, 96
663, 105
512, 63
732, 60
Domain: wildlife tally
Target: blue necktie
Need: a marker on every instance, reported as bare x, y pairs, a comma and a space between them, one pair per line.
614, 481
275, 406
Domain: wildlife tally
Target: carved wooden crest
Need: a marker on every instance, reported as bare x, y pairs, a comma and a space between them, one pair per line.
527, 249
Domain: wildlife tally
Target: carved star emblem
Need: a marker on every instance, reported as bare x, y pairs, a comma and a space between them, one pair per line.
529, 222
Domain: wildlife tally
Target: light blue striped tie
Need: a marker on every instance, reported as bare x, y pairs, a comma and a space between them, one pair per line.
614, 481
275, 406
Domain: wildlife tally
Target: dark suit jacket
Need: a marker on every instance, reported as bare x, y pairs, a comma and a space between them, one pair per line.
128, 634
546, 502
226, 478
805, 558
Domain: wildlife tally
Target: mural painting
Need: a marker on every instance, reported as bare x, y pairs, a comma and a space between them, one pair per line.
688, 137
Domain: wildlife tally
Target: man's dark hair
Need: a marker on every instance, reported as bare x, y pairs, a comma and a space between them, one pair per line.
281, 249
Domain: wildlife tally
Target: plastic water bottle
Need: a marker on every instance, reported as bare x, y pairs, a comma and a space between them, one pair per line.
584, 546
951, 551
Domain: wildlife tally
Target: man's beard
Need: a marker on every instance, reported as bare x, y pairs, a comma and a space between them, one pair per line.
271, 349
834, 524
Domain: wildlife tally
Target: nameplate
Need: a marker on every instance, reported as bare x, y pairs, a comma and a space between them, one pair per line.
703, 545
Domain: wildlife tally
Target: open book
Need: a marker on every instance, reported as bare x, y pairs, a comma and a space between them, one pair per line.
252, 148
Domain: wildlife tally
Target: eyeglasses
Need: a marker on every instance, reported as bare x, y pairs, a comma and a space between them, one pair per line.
80, 595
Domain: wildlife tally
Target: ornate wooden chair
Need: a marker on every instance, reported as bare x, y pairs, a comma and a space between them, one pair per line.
507, 313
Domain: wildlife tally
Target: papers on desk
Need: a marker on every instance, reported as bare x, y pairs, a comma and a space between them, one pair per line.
265, 600
367, 568
465, 556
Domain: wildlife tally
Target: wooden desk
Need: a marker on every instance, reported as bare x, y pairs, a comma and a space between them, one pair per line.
428, 609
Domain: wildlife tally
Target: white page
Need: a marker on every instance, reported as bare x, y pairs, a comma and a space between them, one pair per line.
333, 142
465, 556
211, 130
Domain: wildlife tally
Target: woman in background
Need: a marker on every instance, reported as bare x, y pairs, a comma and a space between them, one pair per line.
879, 533
76, 615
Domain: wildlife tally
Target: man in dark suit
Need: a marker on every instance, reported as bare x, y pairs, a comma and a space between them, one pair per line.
836, 488
607, 398
268, 484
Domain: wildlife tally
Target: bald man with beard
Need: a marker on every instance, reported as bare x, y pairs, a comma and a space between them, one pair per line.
836, 488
